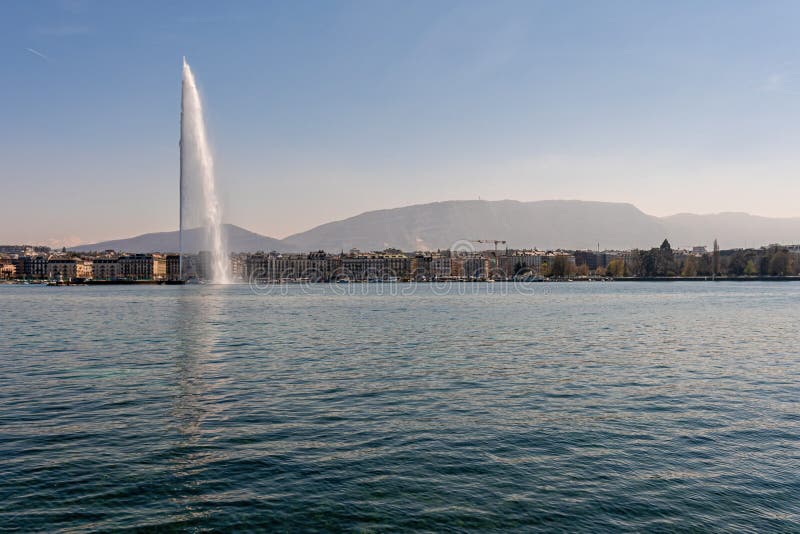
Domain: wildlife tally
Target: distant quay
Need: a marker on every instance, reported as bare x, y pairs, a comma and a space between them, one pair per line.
707, 279
462, 262
117, 282
133, 282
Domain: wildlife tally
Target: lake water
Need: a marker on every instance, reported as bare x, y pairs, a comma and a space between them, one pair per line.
577, 407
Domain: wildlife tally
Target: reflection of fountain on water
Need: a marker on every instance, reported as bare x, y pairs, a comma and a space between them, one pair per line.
195, 405
198, 372
199, 206
193, 340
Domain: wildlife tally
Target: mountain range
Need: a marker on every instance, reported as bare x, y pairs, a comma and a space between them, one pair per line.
546, 224
238, 239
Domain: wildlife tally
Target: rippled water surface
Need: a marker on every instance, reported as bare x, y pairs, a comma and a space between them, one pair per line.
581, 407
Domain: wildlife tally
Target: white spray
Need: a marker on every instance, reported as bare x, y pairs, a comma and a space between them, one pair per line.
199, 207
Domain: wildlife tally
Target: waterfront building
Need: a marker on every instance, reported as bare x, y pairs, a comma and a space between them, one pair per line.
289, 267
190, 266
607, 256
590, 258
322, 266
456, 266
31, 267
142, 267
396, 265
421, 267
521, 261
441, 266
19, 266
376, 266
237, 269
475, 267
68, 269
105, 268
7, 270
173, 263
271, 267
255, 267
314, 267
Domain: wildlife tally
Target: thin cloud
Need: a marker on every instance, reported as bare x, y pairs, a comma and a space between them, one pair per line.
37, 53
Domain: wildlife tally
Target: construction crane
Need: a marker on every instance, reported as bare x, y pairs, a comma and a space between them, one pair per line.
495, 241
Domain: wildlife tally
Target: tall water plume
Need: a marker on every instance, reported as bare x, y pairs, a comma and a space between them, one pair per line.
199, 206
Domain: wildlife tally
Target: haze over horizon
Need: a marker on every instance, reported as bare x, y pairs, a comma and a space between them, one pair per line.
321, 111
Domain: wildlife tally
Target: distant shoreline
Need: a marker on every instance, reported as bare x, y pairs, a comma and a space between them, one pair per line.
707, 279
559, 280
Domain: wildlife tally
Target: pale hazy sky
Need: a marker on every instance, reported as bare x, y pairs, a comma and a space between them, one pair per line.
322, 110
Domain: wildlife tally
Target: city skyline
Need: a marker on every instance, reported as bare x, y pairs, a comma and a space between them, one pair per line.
320, 112
461, 263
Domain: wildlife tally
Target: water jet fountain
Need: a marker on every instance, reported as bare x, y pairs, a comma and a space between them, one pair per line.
199, 206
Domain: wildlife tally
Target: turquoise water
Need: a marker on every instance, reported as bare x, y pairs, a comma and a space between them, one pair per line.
579, 407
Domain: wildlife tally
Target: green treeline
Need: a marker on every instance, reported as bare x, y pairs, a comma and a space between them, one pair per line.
662, 261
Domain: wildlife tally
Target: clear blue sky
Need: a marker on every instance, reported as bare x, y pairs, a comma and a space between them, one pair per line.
321, 110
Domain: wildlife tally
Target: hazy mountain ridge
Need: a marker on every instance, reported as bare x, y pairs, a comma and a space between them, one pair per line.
733, 229
193, 239
547, 224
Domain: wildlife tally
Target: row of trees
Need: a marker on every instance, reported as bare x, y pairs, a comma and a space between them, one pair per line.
558, 267
774, 260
